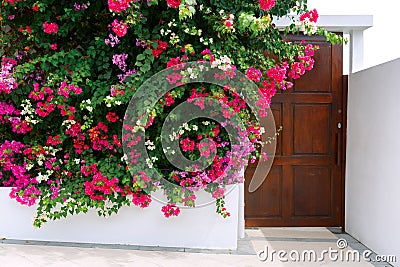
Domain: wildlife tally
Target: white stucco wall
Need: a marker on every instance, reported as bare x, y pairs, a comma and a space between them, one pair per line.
381, 42
373, 158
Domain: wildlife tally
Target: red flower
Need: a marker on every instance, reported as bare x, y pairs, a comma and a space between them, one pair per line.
266, 4
169, 100
162, 46
173, 3
50, 28
35, 8
112, 117
28, 29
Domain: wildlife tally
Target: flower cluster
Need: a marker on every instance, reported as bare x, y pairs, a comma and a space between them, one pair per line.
309, 22
170, 210
7, 81
70, 69
161, 47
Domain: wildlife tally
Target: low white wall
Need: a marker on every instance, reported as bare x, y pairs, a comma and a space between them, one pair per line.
194, 228
373, 158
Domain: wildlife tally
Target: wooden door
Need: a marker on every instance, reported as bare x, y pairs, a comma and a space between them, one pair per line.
305, 185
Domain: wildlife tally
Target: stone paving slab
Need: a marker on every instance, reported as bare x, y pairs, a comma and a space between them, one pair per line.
40, 253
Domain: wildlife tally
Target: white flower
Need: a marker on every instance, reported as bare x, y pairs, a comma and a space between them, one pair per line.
181, 132
211, 40
77, 161
29, 166
149, 143
206, 122
162, 31
118, 102
195, 128
89, 108
42, 177
149, 163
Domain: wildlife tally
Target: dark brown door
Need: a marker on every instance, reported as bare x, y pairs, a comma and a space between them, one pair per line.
305, 184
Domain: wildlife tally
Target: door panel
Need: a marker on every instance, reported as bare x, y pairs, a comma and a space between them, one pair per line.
305, 184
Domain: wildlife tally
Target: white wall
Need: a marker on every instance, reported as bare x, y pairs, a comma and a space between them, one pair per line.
373, 158
382, 40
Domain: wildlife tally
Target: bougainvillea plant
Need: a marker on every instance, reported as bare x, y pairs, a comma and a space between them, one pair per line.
70, 69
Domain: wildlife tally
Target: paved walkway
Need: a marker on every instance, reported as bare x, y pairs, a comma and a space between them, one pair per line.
299, 244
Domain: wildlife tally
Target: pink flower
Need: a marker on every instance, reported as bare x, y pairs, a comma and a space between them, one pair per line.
312, 16
218, 193
53, 141
173, 3
120, 28
266, 4
297, 70
253, 74
87, 170
173, 61
7, 81
44, 109
170, 210
53, 46
118, 5
140, 199
187, 144
50, 28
